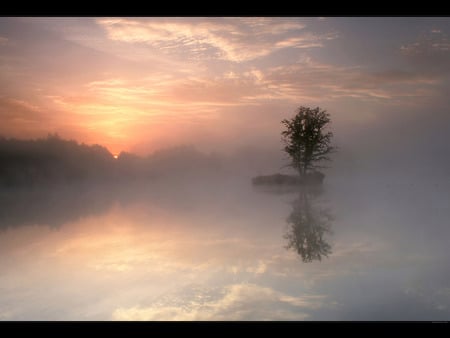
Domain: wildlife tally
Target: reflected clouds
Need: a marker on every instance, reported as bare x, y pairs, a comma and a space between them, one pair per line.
189, 254
232, 302
140, 259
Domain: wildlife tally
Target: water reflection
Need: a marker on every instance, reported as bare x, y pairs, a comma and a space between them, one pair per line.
308, 224
51, 207
54, 206
168, 251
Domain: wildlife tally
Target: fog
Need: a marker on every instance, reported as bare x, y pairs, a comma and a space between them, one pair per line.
196, 241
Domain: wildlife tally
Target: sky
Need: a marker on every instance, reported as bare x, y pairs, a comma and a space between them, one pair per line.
141, 84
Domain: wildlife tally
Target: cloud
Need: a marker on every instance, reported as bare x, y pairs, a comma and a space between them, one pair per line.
430, 53
310, 80
298, 42
18, 115
118, 107
130, 81
432, 42
232, 302
231, 39
18, 108
307, 79
271, 26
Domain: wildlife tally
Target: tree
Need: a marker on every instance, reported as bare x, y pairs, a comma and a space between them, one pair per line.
305, 139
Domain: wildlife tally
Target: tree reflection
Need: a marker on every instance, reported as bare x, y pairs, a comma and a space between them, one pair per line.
307, 225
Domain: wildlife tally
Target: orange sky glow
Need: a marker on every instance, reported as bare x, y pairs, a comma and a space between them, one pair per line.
140, 84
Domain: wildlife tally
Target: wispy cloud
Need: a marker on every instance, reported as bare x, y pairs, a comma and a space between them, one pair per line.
429, 54
130, 81
430, 42
232, 39
19, 106
310, 80
19, 114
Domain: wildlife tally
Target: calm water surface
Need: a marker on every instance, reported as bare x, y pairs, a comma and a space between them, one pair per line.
222, 250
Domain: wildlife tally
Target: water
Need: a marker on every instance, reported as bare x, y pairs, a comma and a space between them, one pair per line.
219, 250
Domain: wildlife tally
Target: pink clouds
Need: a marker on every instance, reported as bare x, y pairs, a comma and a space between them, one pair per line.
130, 81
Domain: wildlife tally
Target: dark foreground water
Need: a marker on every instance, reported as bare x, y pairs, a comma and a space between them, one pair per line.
222, 250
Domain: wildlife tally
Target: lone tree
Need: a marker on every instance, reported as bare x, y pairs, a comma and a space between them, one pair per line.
305, 140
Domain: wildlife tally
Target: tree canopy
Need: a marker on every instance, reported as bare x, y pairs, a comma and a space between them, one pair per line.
305, 139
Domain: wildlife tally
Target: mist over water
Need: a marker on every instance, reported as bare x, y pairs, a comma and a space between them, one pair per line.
214, 247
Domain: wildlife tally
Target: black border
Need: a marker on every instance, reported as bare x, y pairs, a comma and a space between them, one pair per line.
216, 9
291, 8
223, 328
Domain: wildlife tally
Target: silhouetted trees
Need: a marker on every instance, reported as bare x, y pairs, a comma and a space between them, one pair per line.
305, 140
53, 160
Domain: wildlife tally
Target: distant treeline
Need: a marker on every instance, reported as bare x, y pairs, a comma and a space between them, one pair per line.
55, 160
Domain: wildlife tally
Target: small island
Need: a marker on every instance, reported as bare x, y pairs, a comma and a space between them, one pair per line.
307, 145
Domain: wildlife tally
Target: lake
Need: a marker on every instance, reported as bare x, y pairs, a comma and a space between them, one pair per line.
220, 249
